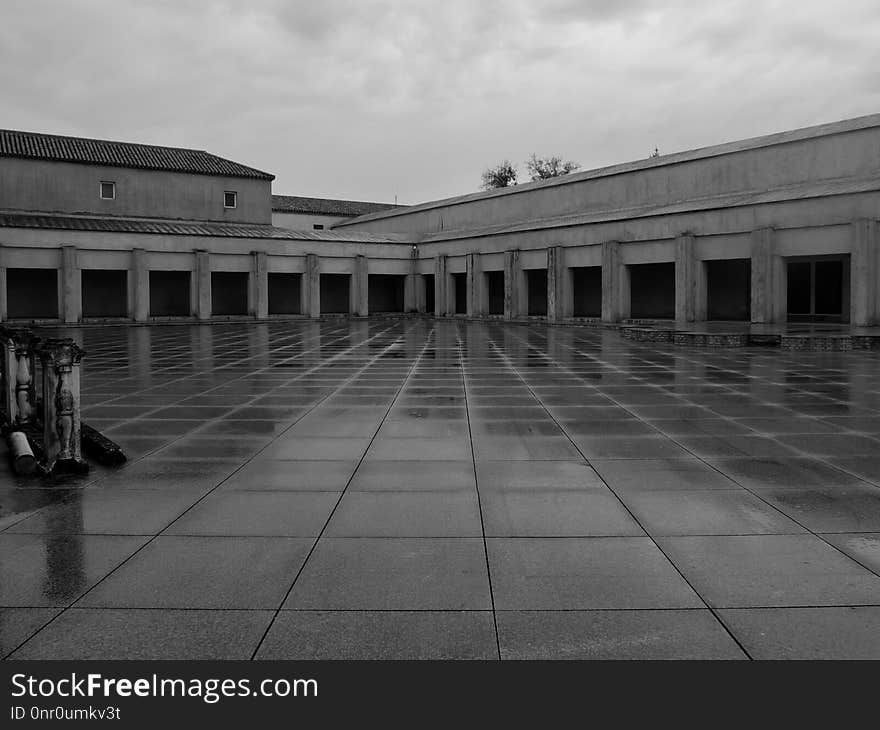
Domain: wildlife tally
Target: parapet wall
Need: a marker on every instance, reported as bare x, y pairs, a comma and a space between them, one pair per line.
843, 151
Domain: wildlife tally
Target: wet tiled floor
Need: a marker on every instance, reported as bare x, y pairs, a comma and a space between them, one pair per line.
420, 489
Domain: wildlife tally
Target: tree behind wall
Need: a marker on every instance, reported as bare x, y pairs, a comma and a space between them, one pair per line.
501, 176
543, 168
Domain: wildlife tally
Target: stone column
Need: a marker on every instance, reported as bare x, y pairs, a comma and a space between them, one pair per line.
555, 283
474, 278
259, 287
613, 308
71, 286
140, 286
312, 287
360, 287
203, 285
441, 281
61, 361
764, 278
512, 284
864, 272
686, 279
18, 369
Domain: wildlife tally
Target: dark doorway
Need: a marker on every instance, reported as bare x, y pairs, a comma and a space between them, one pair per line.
459, 284
536, 286
104, 293
586, 291
335, 293
495, 291
385, 292
169, 294
430, 302
32, 293
652, 291
285, 293
729, 289
229, 292
817, 290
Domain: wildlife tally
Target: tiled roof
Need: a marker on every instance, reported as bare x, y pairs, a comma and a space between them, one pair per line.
36, 146
189, 228
327, 206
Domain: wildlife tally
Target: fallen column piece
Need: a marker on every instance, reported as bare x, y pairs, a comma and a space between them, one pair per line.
20, 453
100, 448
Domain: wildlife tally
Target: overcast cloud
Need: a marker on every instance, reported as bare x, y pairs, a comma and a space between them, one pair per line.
369, 100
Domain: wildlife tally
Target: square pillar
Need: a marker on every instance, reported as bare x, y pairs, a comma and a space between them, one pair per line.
690, 287
360, 288
864, 272
259, 285
513, 284
412, 301
203, 285
768, 279
3, 306
311, 287
556, 283
140, 286
441, 305
615, 284
413, 295
71, 286
474, 285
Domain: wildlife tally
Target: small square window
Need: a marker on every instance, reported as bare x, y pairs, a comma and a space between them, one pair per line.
108, 190
230, 199
318, 226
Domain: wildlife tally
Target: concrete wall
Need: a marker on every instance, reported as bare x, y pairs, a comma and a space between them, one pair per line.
844, 150
62, 187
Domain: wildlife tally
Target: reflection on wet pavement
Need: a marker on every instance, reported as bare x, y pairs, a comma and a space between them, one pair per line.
419, 488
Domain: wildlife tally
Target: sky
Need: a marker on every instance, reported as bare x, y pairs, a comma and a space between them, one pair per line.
371, 100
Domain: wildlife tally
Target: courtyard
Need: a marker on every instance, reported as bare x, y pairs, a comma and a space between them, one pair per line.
419, 488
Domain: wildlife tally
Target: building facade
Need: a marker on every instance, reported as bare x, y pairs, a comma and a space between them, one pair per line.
776, 229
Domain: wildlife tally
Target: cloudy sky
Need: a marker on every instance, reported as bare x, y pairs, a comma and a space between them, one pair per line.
368, 100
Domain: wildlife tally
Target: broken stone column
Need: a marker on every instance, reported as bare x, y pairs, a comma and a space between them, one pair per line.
18, 363
61, 360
